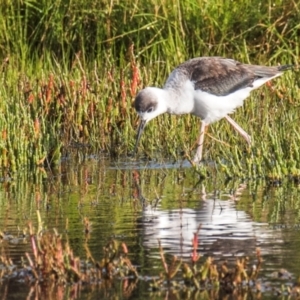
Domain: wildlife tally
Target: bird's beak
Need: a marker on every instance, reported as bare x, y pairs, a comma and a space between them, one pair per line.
139, 133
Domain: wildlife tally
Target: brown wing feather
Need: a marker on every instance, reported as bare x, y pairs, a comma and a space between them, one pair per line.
221, 76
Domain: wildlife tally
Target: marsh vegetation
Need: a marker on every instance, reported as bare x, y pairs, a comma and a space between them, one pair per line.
69, 73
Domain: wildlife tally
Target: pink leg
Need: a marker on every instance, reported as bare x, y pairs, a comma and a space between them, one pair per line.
239, 129
199, 150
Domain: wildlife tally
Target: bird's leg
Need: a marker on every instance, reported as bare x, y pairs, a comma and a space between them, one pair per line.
239, 129
200, 141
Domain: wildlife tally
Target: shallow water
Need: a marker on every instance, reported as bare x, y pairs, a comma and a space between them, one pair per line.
139, 203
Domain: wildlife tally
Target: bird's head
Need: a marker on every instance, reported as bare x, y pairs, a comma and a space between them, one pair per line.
149, 103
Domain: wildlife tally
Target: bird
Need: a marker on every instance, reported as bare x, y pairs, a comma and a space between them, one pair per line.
208, 87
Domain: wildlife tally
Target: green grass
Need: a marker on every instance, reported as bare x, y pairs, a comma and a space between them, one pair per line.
70, 71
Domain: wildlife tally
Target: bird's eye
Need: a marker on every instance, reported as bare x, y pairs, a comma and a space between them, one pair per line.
150, 110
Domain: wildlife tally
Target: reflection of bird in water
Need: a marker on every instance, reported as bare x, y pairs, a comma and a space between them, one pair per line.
225, 231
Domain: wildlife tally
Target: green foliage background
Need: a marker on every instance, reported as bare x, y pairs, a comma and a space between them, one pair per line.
70, 69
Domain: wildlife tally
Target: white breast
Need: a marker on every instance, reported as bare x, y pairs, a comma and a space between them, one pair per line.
211, 108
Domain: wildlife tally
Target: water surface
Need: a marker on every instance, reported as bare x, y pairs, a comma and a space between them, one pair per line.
140, 203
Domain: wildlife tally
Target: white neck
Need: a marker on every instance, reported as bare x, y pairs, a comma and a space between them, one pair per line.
180, 101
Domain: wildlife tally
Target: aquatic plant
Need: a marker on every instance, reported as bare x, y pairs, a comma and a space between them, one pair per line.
52, 261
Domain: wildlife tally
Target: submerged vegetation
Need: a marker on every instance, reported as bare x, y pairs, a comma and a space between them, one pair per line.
96, 208
51, 262
70, 71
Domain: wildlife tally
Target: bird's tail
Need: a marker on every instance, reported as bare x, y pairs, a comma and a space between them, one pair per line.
287, 67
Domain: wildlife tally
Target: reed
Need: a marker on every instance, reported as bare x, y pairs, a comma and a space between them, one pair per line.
70, 71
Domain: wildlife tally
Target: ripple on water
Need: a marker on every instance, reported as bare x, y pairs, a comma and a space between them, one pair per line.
117, 199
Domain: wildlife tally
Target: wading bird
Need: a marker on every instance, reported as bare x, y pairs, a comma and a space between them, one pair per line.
207, 87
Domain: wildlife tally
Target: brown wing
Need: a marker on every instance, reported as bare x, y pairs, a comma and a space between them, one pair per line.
221, 76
